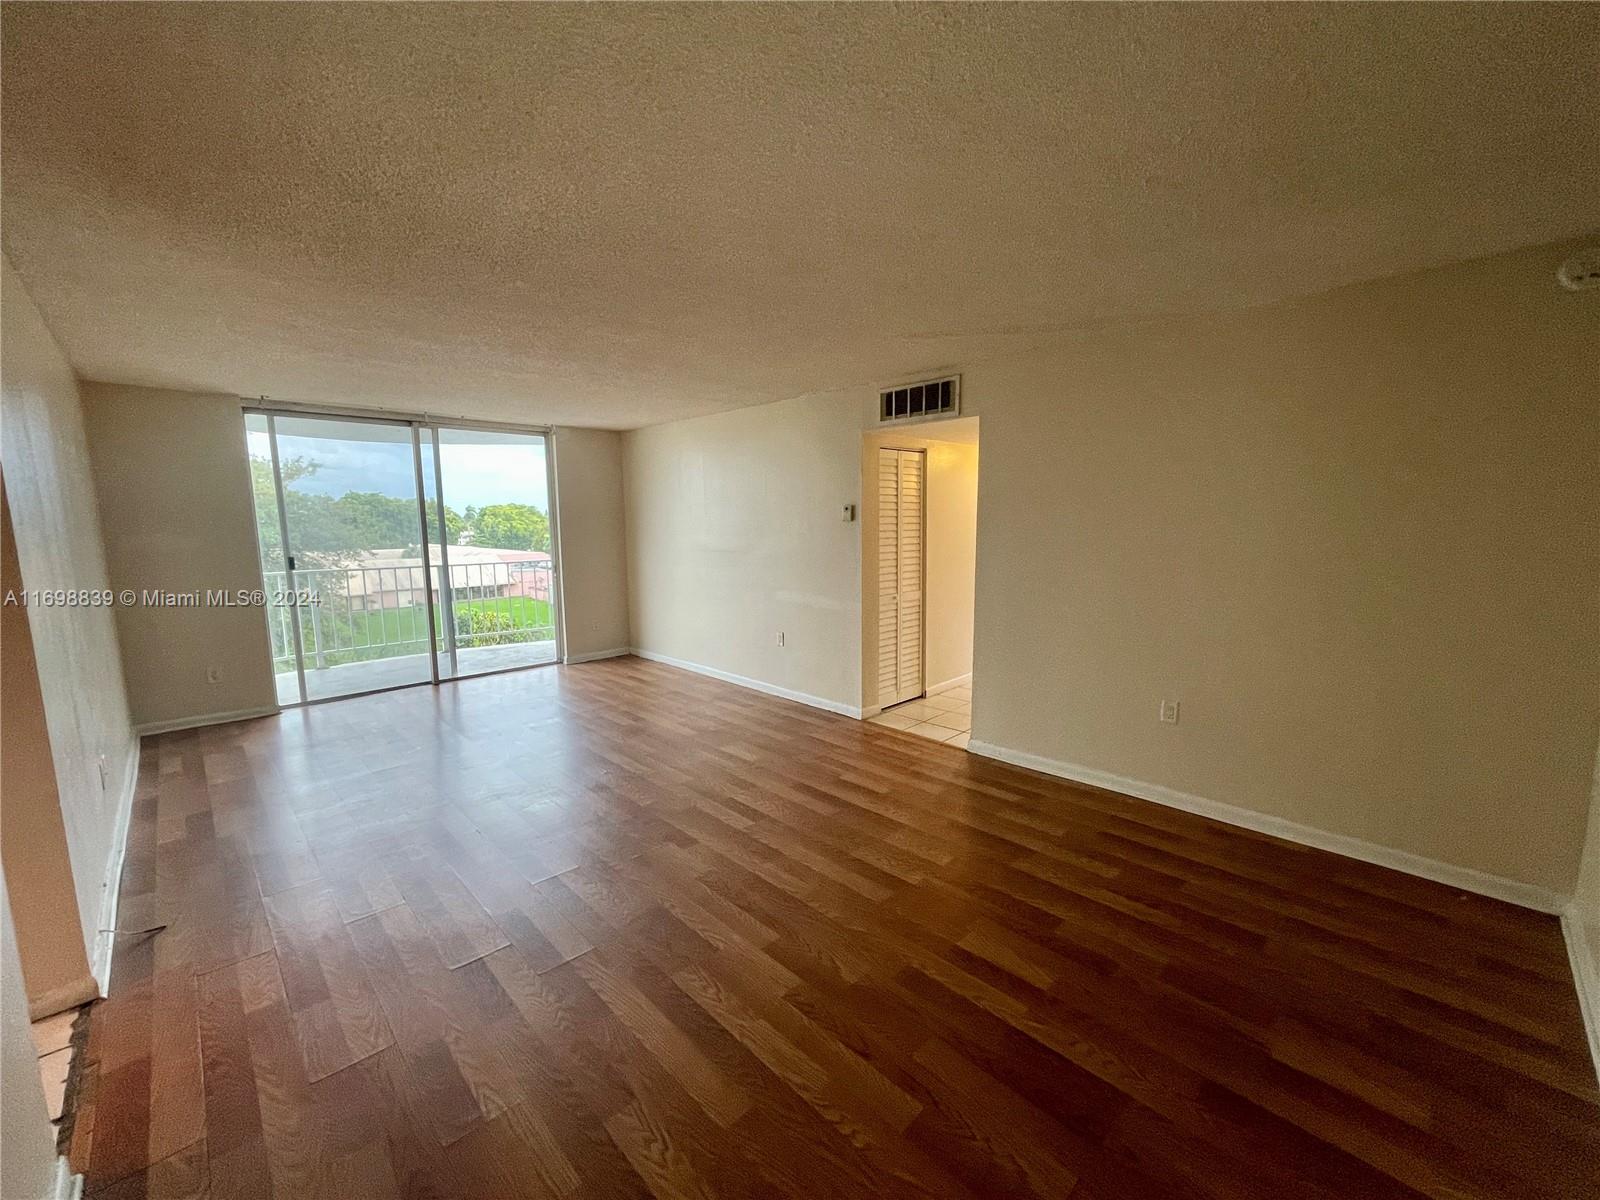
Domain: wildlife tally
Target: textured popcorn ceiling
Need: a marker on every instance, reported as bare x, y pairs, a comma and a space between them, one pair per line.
617, 215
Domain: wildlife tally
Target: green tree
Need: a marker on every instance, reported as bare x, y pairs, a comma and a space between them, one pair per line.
374, 521
267, 529
329, 531
454, 524
511, 527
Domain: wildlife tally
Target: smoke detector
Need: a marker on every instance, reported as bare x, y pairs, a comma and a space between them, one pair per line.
1580, 271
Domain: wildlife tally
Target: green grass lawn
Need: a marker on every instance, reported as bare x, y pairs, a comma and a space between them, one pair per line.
393, 632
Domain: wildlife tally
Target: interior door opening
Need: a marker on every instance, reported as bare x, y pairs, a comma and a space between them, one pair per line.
919, 569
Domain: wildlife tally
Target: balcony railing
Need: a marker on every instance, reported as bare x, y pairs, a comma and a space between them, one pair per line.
360, 614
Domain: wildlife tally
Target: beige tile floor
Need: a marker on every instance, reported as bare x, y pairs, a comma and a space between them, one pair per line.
52, 1038
945, 718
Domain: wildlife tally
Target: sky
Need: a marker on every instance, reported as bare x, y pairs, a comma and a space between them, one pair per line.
475, 473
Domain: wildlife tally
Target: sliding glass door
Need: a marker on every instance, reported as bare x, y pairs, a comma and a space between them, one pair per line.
360, 599
341, 551
500, 608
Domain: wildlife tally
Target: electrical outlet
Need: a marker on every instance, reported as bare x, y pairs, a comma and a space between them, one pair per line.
1169, 712
780, 637
213, 674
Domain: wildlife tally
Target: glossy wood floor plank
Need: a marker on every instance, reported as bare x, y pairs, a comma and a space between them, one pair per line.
336, 1016
616, 930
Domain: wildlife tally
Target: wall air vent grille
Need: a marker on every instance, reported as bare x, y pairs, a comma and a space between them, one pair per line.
930, 398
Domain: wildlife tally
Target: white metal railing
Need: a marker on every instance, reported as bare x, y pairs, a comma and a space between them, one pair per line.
357, 614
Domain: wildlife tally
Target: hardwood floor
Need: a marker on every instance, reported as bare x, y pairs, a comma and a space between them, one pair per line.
617, 929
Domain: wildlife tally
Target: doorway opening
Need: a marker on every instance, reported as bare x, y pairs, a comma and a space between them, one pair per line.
398, 552
919, 528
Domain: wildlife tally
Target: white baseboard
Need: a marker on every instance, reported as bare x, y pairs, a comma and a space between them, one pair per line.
66, 1185
1465, 878
596, 655
1586, 975
111, 888
200, 722
757, 685
934, 689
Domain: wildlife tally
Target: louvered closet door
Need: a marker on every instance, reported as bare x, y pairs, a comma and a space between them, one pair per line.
900, 487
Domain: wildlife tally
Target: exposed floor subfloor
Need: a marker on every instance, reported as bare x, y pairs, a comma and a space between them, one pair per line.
616, 928
52, 1039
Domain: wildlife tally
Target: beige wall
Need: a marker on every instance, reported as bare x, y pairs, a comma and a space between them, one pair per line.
594, 556
1356, 536
27, 1139
1584, 918
174, 484
53, 510
162, 458
33, 836
952, 560
735, 533
951, 532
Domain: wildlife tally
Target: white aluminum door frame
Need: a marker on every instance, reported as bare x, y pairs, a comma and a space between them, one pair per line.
418, 424
427, 567
557, 575
557, 607
288, 559
447, 586
291, 597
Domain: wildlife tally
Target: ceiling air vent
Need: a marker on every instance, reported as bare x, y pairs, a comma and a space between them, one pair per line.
930, 398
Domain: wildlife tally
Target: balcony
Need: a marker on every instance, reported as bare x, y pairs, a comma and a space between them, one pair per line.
364, 628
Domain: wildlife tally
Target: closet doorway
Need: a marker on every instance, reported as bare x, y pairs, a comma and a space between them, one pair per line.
919, 566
